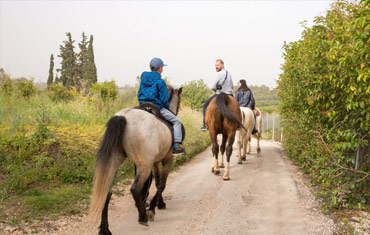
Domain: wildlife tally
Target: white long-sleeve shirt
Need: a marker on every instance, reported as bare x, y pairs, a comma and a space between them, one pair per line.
227, 86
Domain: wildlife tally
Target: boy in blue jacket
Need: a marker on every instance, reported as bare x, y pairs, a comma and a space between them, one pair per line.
153, 89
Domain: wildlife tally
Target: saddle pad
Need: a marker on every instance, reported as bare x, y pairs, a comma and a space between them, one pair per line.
153, 109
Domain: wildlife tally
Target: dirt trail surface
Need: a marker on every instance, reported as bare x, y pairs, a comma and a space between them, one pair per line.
266, 195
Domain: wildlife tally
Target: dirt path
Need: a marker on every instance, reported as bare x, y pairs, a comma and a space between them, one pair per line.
266, 195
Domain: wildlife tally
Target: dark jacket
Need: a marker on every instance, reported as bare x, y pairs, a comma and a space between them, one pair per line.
153, 90
245, 98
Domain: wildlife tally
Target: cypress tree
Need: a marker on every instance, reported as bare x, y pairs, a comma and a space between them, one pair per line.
82, 59
51, 73
89, 71
69, 70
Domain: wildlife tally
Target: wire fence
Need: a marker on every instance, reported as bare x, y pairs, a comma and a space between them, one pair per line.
271, 128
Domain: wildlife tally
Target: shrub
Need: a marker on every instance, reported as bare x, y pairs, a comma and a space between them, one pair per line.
325, 105
58, 92
26, 88
107, 91
195, 94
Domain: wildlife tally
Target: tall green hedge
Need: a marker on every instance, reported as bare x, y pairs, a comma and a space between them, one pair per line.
325, 103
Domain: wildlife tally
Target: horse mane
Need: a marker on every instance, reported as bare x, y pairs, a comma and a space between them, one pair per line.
171, 90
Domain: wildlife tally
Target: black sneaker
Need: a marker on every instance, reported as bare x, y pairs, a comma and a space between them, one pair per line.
178, 149
203, 128
254, 131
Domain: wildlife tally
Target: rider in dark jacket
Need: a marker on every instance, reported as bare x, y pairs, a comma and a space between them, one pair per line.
245, 98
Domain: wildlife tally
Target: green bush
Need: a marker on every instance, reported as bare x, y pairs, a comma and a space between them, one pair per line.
325, 102
195, 94
107, 91
58, 92
26, 88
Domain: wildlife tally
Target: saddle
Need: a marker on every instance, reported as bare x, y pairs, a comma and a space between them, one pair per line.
256, 112
154, 110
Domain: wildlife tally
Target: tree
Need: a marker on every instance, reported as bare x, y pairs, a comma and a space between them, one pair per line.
51, 68
89, 70
69, 68
82, 59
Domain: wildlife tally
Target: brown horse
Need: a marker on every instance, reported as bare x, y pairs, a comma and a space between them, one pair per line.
223, 116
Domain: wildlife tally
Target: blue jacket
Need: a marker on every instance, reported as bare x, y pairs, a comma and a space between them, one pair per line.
153, 89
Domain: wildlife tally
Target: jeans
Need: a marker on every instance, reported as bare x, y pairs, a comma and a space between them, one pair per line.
175, 122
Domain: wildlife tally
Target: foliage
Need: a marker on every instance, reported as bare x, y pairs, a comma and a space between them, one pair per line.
57, 93
195, 94
69, 69
325, 105
6, 84
78, 70
107, 91
47, 151
26, 88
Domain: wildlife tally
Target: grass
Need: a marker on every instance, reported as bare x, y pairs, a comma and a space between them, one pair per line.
47, 153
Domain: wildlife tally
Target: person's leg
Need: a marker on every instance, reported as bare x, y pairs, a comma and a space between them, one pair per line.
205, 107
176, 124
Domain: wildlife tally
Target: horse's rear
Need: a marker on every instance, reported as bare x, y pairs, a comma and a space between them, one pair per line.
244, 135
259, 121
140, 136
223, 116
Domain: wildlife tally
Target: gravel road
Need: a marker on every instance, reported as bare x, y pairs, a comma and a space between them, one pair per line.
265, 195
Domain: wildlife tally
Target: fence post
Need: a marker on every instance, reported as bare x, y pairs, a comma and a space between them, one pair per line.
273, 127
281, 137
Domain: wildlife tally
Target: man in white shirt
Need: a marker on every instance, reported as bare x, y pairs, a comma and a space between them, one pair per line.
223, 83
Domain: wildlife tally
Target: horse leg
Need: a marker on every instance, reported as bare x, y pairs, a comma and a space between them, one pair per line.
166, 168
103, 228
244, 156
136, 191
258, 142
229, 151
223, 146
248, 143
240, 146
215, 149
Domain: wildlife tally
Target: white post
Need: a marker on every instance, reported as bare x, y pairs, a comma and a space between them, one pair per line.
281, 137
273, 127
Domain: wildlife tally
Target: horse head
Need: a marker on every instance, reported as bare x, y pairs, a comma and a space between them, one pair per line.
175, 97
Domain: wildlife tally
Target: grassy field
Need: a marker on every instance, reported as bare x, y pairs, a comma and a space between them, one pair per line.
47, 153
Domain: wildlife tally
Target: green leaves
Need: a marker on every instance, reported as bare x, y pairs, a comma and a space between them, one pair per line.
324, 91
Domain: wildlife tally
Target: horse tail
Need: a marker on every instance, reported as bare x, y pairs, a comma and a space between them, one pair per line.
108, 159
221, 102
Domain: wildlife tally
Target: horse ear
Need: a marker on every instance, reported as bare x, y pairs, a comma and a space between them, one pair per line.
179, 90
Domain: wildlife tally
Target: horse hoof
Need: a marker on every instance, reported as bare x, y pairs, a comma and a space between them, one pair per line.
258, 150
222, 166
240, 162
244, 158
216, 172
226, 178
150, 214
161, 206
144, 223
105, 232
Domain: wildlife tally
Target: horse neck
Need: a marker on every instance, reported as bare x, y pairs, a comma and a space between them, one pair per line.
173, 104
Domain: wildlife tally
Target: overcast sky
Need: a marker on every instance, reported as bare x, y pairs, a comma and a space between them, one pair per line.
188, 35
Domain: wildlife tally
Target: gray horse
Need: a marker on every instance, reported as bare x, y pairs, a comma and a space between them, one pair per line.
147, 141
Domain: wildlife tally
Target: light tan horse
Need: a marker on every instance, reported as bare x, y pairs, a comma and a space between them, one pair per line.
259, 121
141, 137
244, 136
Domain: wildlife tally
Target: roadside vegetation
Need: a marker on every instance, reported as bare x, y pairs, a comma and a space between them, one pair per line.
48, 142
325, 107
